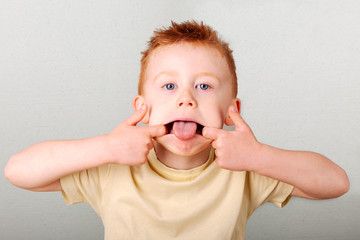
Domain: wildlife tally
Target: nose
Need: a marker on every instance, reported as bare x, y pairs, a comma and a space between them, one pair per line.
186, 99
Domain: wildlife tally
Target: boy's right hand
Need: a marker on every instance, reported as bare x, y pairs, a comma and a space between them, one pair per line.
129, 144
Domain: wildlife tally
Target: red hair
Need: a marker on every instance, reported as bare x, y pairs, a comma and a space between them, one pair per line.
190, 32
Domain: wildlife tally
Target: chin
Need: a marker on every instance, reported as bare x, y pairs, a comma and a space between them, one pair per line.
187, 148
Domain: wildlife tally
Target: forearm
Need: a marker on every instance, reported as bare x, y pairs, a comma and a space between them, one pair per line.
44, 163
311, 173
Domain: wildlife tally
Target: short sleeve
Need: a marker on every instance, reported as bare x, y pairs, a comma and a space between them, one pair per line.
263, 189
85, 186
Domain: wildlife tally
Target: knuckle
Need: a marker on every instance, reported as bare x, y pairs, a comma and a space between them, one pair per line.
143, 160
148, 142
221, 153
220, 162
219, 144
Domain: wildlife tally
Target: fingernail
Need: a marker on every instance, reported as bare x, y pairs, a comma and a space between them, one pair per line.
203, 132
233, 109
142, 107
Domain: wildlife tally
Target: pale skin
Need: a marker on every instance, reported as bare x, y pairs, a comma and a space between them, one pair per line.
40, 167
313, 176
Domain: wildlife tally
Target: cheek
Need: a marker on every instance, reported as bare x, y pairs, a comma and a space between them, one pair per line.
223, 112
215, 114
156, 113
152, 115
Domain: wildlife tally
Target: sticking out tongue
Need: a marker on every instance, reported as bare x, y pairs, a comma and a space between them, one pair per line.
184, 130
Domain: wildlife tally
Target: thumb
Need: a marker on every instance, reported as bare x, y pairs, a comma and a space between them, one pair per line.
236, 118
156, 130
211, 133
138, 115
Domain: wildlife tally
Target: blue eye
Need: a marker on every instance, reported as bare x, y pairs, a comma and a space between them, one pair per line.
170, 86
203, 86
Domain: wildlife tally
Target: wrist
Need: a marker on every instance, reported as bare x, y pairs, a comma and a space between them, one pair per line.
101, 149
258, 159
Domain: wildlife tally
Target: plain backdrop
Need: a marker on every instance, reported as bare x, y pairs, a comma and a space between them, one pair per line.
69, 70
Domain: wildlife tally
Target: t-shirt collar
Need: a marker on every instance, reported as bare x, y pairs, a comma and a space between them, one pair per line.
174, 174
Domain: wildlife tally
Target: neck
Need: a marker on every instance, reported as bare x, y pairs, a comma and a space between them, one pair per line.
180, 162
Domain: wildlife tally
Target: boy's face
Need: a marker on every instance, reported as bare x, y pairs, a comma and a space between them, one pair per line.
187, 87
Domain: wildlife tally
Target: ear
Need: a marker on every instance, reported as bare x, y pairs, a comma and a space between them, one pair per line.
137, 102
237, 104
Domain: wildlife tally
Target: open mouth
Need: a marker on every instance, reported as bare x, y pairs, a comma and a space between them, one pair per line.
170, 126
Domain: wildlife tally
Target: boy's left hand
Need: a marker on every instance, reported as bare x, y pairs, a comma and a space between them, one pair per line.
313, 175
235, 150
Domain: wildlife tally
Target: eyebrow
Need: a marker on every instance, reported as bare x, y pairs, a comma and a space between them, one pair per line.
207, 74
170, 73
174, 73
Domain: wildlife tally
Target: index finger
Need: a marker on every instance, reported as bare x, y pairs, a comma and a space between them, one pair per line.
156, 130
210, 132
236, 118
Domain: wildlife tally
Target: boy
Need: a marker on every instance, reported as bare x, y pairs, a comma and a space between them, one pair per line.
182, 176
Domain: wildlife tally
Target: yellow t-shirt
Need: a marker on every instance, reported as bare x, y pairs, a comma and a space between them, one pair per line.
153, 201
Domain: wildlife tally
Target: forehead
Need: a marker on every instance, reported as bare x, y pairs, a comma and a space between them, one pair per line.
187, 58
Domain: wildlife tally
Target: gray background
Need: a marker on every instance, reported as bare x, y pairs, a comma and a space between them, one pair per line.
69, 69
